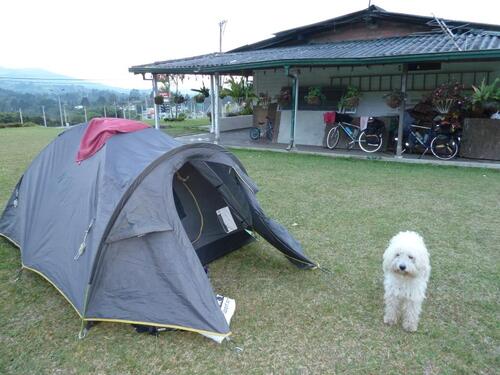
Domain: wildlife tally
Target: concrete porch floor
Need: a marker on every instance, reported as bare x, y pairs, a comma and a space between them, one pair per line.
240, 139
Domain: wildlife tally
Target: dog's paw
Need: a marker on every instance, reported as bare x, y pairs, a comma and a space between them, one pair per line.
390, 321
410, 326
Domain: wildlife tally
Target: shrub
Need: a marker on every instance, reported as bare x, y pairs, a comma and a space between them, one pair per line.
17, 124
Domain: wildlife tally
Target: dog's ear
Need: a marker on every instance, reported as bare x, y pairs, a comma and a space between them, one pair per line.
388, 257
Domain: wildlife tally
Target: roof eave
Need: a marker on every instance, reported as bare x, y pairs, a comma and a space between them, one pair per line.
442, 57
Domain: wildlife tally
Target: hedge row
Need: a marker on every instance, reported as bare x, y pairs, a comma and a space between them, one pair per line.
17, 125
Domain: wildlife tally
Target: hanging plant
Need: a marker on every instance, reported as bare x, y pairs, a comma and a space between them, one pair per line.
200, 98
285, 96
203, 93
314, 96
179, 98
159, 100
394, 98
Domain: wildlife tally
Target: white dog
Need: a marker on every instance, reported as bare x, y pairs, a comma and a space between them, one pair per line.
406, 273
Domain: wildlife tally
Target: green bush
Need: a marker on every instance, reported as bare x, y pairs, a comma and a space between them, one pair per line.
16, 124
247, 110
9, 117
180, 117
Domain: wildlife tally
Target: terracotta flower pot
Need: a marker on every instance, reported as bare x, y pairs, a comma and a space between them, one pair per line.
352, 102
200, 98
393, 101
314, 100
159, 100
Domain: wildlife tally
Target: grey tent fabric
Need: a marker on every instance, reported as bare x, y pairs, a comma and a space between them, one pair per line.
124, 235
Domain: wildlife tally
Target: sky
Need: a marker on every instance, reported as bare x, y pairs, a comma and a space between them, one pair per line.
100, 39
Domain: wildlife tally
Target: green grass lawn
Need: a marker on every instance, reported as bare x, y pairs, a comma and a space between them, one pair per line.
186, 127
290, 321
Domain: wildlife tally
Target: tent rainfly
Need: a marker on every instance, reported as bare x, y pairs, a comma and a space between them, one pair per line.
124, 234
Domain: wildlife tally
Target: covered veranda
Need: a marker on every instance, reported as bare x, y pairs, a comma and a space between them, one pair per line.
293, 63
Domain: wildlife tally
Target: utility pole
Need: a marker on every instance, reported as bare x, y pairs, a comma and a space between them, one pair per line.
85, 113
65, 116
105, 112
222, 27
60, 110
44, 118
21, 116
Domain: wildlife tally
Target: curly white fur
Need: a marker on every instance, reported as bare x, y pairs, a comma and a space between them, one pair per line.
407, 269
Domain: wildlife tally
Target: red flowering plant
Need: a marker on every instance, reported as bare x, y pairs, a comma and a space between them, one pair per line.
448, 96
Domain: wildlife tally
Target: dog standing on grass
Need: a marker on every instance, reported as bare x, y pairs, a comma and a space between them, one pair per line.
406, 273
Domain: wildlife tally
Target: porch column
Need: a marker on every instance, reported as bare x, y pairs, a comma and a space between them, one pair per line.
157, 111
217, 109
402, 108
212, 104
295, 106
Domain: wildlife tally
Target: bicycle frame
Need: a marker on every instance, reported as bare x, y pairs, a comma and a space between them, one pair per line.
425, 142
344, 126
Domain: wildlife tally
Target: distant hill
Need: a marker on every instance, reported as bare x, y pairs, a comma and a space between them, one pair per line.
43, 81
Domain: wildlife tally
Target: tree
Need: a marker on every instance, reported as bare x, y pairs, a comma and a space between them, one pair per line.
85, 102
101, 100
134, 95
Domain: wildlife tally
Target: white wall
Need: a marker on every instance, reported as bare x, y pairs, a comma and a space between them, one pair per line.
310, 125
309, 131
235, 122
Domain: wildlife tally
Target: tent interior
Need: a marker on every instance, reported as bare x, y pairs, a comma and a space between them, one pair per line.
212, 207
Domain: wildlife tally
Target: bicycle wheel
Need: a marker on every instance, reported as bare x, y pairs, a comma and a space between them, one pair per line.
255, 133
332, 139
370, 142
444, 147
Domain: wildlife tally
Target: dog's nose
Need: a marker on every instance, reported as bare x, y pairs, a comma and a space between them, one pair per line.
402, 267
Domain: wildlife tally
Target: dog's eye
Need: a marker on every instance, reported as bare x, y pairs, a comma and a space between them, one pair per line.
397, 254
411, 257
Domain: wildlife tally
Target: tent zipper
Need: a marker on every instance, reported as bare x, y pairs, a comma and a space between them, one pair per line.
83, 245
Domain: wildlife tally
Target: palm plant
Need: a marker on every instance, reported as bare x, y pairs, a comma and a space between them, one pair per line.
241, 91
486, 96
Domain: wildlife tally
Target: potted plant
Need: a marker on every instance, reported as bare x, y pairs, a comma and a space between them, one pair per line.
486, 98
285, 96
350, 100
159, 100
203, 93
314, 96
178, 98
481, 131
394, 98
447, 95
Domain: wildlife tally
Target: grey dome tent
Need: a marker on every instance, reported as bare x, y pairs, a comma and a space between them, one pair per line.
124, 235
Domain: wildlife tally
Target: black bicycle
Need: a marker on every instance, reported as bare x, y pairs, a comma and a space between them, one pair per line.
440, 138
265, 129
446, 143
369, 140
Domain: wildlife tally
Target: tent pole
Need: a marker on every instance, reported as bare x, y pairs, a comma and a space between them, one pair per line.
212, 104
217, 110
155, 93
402, 108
